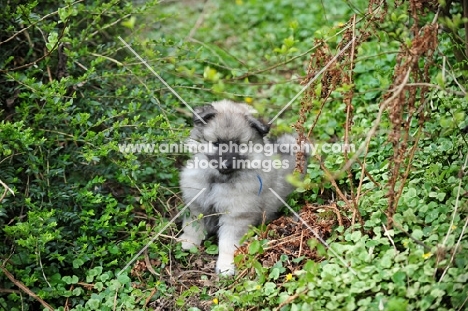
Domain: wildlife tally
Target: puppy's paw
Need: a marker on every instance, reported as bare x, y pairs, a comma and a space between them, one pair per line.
188, 241
225, 268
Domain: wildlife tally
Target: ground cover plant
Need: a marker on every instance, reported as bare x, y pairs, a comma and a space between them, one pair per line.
78, 203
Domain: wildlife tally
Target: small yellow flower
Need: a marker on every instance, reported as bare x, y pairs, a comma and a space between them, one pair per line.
427, 255
239, 2
454, 227
288, 277
248, 100
215, 301
405, 243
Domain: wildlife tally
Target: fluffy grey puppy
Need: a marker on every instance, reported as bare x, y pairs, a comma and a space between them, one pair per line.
227, 182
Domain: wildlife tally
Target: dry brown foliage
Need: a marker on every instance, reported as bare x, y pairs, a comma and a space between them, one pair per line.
403, 102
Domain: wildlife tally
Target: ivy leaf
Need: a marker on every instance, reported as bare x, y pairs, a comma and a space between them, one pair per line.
255, 247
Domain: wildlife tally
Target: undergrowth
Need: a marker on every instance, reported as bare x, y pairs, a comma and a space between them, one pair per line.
78, 205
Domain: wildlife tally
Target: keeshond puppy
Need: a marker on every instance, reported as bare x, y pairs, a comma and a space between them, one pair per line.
229, 182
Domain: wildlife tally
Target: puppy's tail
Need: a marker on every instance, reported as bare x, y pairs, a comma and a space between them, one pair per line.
294, 147
299, 150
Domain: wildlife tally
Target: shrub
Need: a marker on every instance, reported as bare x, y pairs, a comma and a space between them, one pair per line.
75, 207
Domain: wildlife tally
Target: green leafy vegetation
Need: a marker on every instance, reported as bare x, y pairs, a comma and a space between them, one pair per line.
77, 205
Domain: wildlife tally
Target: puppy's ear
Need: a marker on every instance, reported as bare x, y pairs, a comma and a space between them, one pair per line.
258, 125
203, 114
249, 109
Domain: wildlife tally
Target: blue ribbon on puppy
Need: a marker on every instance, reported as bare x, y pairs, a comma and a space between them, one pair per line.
261, 184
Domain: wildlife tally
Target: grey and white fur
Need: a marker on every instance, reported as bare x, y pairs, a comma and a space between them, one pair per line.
235, 197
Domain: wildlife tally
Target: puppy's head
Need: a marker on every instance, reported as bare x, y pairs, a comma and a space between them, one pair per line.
228, 121
224, 125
